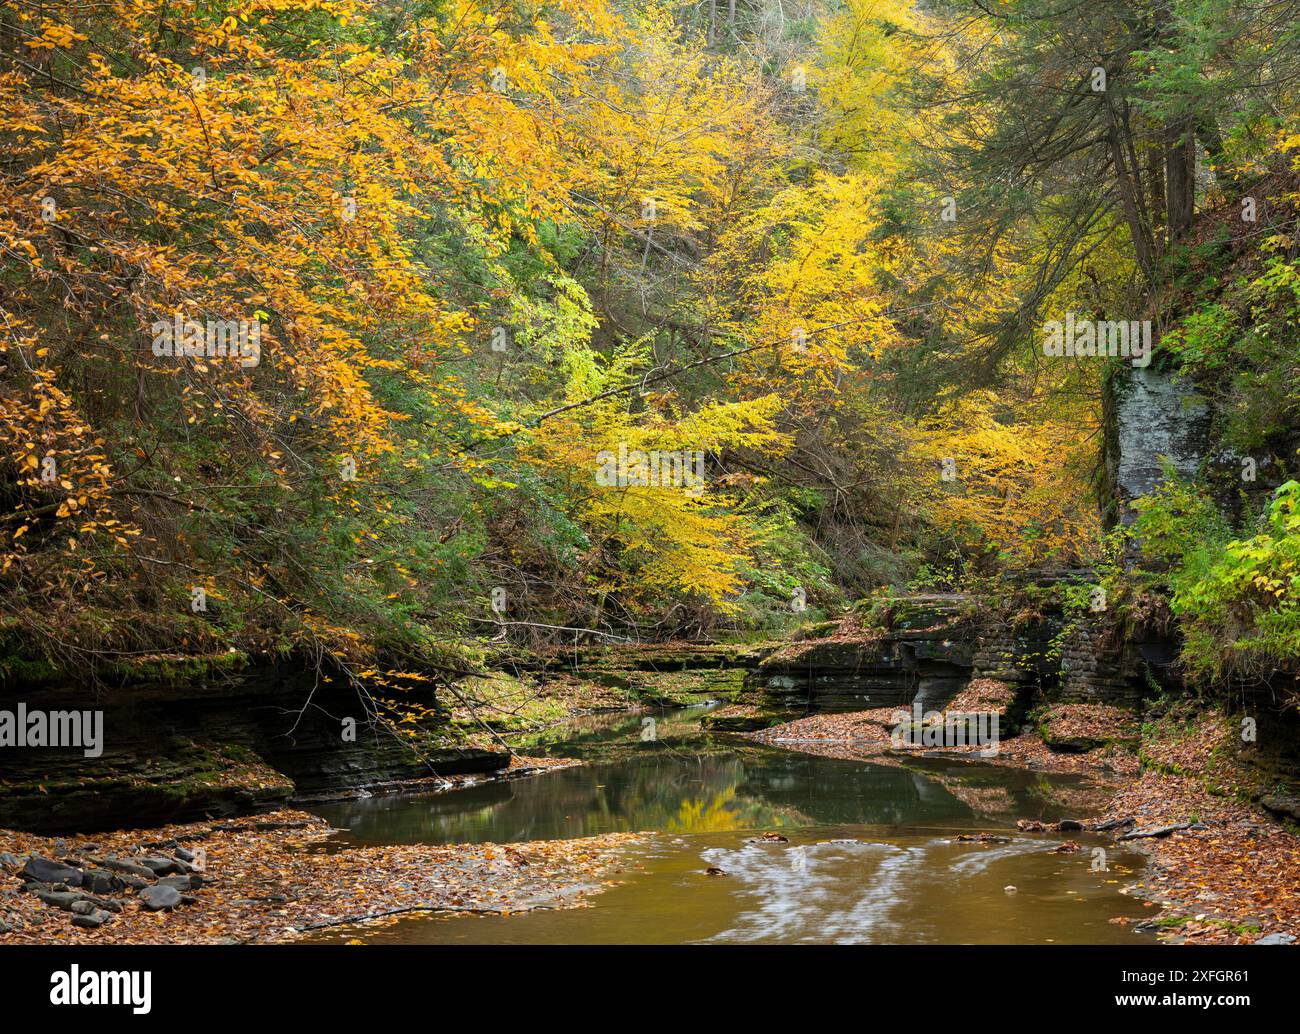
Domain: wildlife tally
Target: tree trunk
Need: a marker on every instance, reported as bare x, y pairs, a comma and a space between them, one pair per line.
1156, 183
1180, 177
1129, 184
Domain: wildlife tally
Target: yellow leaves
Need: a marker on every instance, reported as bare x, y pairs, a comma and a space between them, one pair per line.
1020, 485
744, 424
55, 34
819, 275
643, 489
314, 189
871, 49
657, 137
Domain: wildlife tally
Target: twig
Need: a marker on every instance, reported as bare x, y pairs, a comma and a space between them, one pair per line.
413, 908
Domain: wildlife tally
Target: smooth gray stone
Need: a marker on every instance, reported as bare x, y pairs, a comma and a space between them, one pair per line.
155, 899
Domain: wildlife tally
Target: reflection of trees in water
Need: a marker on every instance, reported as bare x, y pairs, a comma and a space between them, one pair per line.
679, 794
664, 787
573, 734
1001, 792
658, 791
840, 792
992, 801
1081, 797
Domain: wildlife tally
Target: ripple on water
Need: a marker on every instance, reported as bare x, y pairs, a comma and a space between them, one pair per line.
811, 893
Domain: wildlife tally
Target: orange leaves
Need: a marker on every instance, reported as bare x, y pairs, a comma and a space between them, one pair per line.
281, 166
61, 471
53, 35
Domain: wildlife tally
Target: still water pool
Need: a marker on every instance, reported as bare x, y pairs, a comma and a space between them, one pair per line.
871, 857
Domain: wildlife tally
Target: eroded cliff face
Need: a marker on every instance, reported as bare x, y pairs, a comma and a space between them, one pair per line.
1152, 417
930, 648
184, 740
934, 646
925, 655
208, 747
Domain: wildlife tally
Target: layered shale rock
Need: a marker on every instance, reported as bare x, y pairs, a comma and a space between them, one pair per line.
175, 750
923, 651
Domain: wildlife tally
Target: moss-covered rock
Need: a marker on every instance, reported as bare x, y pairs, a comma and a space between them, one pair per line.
744, 718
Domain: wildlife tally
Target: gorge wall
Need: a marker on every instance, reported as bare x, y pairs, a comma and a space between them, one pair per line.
188, 746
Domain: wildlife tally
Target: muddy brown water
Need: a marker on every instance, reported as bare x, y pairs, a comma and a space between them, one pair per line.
871, 853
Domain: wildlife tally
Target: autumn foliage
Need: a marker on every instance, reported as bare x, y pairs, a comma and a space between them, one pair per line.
480, 245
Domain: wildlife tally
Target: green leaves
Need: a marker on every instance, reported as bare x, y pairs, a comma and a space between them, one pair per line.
1238, 599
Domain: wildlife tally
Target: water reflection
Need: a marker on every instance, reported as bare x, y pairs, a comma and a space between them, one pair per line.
669, 792
871, 853
687, 782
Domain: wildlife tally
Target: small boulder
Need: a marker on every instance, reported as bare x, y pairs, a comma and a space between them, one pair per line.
182, 883
1155, 831
1286, 805
62, 899
1276, 938
161, 866
120, 865
1069, 825
46, 870
92, 919
163, 896
107, 904
100, 881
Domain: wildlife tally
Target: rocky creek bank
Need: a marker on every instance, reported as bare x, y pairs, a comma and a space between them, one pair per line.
185, 739
273, 878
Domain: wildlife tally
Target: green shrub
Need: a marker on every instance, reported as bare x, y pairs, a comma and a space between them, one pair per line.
1238, 599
